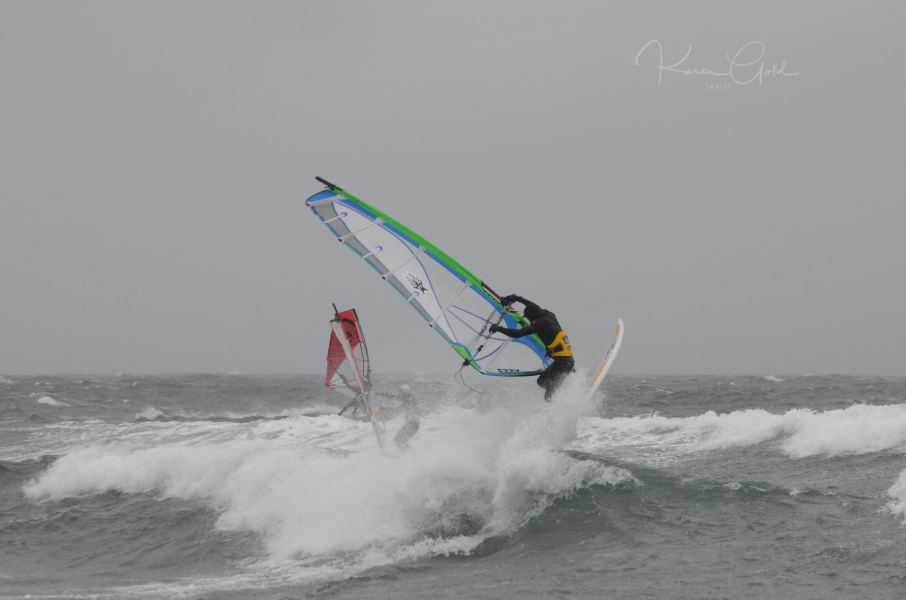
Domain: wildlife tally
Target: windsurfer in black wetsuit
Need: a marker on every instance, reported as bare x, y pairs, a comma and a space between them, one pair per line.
543, 323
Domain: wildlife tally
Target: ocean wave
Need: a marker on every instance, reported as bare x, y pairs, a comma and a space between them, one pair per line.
857, 429
4, 380
51, 401
149, 413
319, 490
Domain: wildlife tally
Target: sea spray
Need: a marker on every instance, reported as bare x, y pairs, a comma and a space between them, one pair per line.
532, 470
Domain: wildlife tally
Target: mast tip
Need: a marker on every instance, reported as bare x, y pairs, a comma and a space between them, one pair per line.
328, 184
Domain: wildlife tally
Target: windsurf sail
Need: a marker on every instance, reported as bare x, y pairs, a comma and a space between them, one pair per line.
455, 303
348, 365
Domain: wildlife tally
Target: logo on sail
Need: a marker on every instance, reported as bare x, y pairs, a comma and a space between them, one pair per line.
416, 283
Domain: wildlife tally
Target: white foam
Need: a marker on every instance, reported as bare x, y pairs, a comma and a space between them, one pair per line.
857, 429
5, 380
897, 491
62, 437
149, 413
531, 469
315, 488
773, 378
50, 401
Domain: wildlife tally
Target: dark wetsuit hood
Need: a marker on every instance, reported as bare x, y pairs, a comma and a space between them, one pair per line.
543, 323
532, 312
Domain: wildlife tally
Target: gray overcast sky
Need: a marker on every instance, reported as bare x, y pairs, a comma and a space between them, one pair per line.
155, 158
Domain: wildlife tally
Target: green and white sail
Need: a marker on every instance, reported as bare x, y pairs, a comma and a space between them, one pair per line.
454, 302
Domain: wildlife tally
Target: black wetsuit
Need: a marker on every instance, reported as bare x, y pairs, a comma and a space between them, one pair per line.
544, 323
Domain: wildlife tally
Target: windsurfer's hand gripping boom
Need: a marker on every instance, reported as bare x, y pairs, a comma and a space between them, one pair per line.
489, 329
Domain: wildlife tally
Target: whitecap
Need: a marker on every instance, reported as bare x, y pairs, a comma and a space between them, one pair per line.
50, 401
897, 491
799, 433
150, 413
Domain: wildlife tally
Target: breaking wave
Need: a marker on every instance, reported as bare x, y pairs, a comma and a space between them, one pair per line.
50, 401
799, 433
318, 492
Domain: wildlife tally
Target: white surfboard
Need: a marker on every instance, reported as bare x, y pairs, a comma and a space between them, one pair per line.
598, 375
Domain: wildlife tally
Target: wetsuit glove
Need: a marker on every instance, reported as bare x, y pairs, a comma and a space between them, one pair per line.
494, 328
507, 300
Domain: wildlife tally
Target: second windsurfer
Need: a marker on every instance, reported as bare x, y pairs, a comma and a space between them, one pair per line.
412, 414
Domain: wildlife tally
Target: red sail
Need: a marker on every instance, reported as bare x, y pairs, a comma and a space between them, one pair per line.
348, 366
348, 369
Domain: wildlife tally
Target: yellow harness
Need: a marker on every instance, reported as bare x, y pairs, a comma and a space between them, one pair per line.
560, 346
